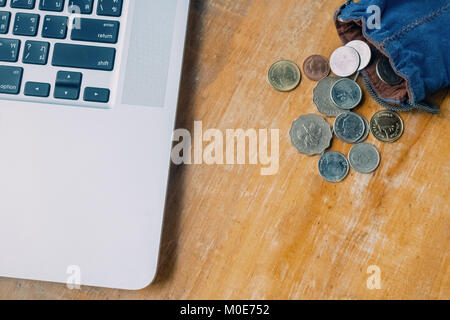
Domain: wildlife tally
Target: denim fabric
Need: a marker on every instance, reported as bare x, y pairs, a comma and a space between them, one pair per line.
414, 34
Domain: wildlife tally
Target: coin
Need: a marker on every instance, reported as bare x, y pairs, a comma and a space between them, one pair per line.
345, 61
333, 166
366, 130
346, 94
387, 126
322, 97
363, 50
349, 127
284, 75
311, 134
386, 73
316, 67
364, 158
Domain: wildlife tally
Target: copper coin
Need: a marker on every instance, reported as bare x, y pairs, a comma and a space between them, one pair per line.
316, 67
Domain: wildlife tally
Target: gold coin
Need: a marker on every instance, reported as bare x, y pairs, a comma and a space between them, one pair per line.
387, 126
284, 75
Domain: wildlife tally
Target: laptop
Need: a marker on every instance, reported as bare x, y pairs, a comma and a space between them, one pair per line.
88, 98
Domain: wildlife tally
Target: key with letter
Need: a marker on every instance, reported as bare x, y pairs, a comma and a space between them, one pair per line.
112, 8
22, 4
51, 5
26, 24
9, 49
5, 17
85, 57
10, 79
80, 6
35, 52
54, 27
96, 30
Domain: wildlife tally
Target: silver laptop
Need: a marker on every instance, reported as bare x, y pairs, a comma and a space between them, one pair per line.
88, 96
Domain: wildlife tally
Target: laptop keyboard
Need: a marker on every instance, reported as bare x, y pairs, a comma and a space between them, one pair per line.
59, 51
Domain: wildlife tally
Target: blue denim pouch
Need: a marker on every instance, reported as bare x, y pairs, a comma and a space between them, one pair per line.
414, 35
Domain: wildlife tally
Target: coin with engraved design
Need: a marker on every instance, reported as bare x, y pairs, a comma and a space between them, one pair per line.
364, 158
387, 126
311, 134
346, 94
316, 67
333, 166
349, 127
284, 75
322, 97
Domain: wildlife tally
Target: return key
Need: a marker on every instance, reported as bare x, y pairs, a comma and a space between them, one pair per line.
95, 30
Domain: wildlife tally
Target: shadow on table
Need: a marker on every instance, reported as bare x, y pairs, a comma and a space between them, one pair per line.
176, 185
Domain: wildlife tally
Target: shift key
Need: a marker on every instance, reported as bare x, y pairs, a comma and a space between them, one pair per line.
83, 57
10, 79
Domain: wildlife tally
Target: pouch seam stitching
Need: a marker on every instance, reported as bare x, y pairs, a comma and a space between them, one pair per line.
415, 24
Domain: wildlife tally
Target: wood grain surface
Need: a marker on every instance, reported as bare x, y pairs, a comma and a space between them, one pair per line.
231, 233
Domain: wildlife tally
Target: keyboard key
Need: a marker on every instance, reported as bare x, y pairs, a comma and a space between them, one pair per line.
68, 79
26, 24
9, 49
96, 95
68, 85
10, 79
84, 57
55, 27
67, 93
37, 89
2, 3
51, 5
35, 52
96, 31
22, 4
81, 6
112, 8
5, 17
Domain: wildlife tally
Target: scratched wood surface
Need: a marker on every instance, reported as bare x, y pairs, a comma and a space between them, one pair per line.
232, 233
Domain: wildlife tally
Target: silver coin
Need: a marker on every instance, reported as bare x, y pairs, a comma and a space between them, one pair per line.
349, 127
322, 97
346, 94
386, 73
366, 130
333, 166
363, 50
311, 134
364, 158
345, 61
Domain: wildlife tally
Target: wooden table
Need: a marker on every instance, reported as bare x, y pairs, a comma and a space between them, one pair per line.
232, 233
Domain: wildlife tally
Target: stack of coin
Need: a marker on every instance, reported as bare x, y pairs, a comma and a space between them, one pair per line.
336, 97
